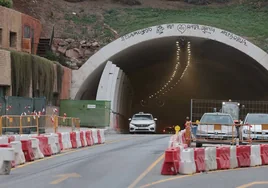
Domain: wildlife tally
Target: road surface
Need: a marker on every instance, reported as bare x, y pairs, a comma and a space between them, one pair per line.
125, 161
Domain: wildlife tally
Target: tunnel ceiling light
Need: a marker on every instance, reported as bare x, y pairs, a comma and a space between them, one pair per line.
165, 88
186, 68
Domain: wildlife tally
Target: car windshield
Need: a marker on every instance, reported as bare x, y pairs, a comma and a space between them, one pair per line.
231, 109
142, 117
257, 119
216, 119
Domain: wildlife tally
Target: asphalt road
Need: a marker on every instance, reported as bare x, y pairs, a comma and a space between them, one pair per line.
125, 161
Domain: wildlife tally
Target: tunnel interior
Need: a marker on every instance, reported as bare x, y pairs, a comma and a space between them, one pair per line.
215, 71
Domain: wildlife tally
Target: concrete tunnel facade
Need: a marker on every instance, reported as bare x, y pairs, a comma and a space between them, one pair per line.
223, 66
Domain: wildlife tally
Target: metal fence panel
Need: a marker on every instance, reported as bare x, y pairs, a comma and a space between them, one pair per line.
39, 104
201, 106
91, 113
18, 105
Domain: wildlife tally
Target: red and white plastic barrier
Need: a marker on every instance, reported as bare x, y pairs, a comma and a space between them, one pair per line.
17, 149
223, 157
94, 136
7, 155
171, 162
199, 157
210, 158
19, 155
36, 150
264, 154
4, 140
187, 163
255, 155
243, 155
217, 158
233, 157
66, 141
78, 139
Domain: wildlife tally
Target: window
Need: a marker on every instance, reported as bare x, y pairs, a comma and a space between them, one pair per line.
32, 36
27, 32
13, 39
2, 91
55, 99
216, 119
1, 35
142, 117
257, 119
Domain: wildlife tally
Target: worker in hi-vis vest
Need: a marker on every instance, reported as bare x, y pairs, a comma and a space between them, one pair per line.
188, 132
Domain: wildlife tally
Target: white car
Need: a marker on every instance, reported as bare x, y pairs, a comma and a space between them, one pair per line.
142, 122
259, 126
215, 128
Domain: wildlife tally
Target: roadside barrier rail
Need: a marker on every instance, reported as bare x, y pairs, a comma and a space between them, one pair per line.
18, 123
26, 124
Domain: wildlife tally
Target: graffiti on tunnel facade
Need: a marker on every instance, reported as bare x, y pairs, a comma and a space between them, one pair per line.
234, 37
136, 33
184, 29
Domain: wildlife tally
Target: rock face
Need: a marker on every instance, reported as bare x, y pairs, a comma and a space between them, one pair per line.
76, 52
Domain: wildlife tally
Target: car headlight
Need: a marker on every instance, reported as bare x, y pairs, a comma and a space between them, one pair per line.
247, 131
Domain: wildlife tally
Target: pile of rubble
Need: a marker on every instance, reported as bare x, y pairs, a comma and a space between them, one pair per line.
76, 52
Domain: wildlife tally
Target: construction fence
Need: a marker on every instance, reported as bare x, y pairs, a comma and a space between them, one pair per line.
201, 106
37, 124
228, 133
11, 105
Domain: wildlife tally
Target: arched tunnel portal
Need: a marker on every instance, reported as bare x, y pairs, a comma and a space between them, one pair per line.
171, 64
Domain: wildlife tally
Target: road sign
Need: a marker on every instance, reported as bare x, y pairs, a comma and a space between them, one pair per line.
177, 129
91, 106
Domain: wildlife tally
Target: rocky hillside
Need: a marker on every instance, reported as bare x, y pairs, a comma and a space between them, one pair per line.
82, 27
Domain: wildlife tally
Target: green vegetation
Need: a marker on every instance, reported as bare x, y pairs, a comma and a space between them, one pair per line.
21, 76
53, 57
27, 70
6, 3
89, 19
87, 26
246, 21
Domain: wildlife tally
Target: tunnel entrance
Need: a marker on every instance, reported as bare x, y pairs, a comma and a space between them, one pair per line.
167, 72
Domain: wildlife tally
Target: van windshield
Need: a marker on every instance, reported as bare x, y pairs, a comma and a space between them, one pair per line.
257, 119
142, 117
216, 119
232, 109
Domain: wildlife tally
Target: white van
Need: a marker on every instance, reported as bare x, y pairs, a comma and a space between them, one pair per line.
215, 128
142, 122
259, 126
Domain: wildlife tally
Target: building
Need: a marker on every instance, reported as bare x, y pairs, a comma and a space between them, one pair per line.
21, 32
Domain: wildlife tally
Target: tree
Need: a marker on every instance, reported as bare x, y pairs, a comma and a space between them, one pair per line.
6, 3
